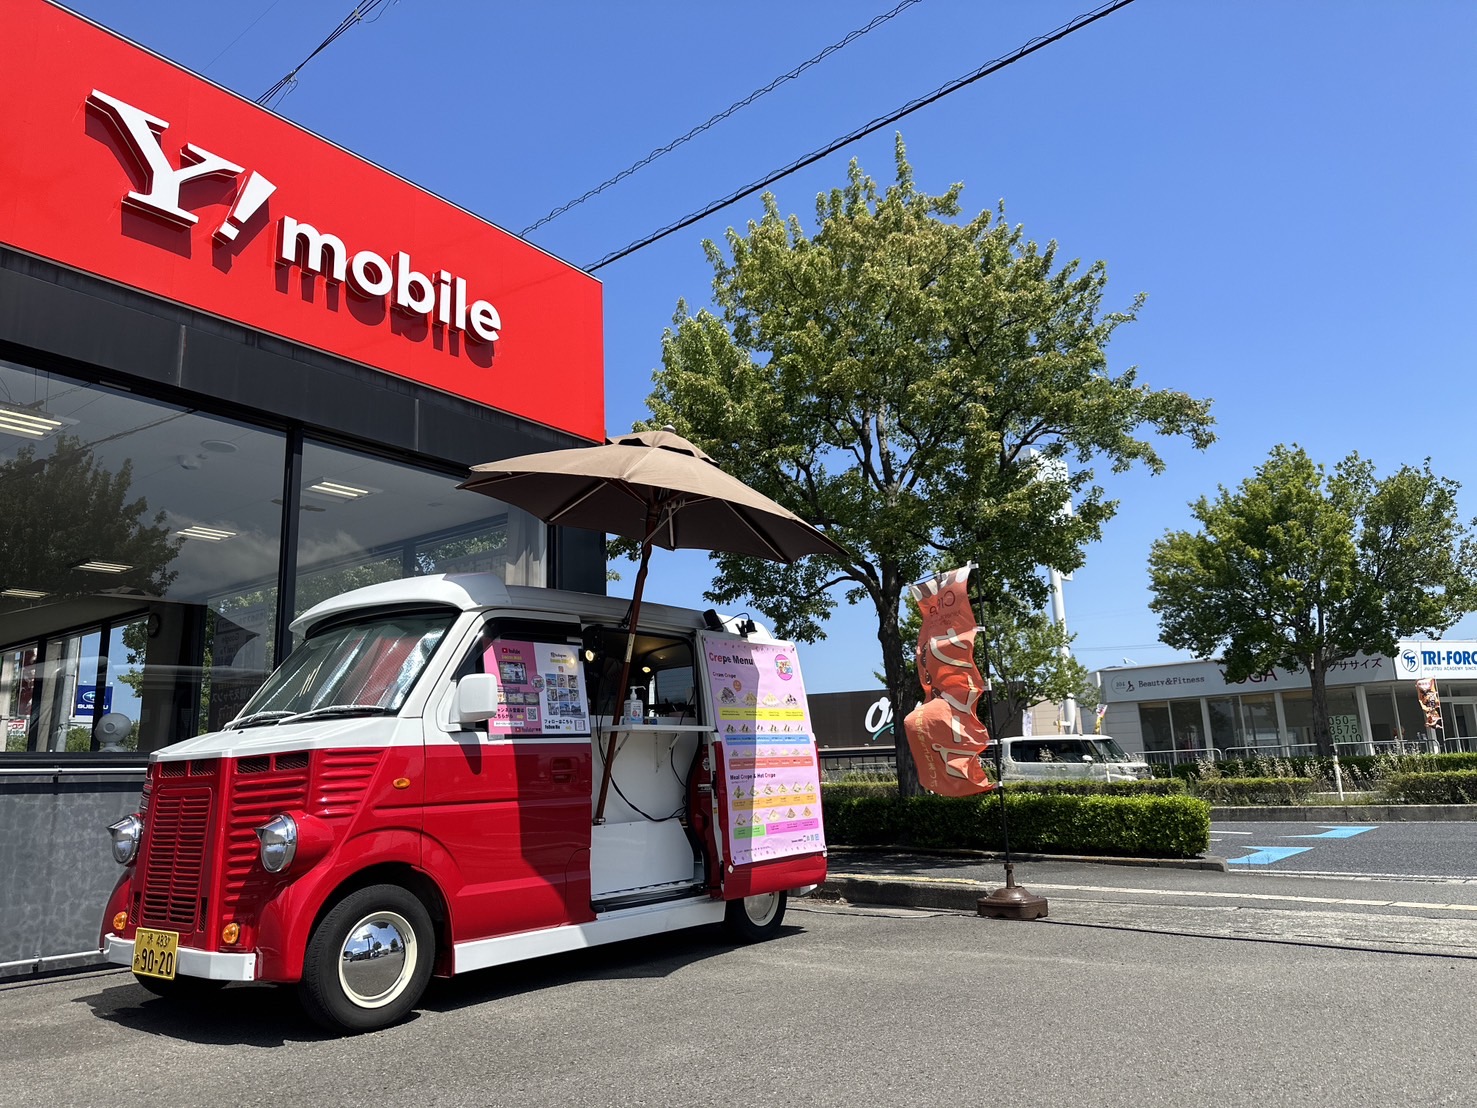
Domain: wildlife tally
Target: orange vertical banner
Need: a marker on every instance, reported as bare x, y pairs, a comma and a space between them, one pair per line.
945, 735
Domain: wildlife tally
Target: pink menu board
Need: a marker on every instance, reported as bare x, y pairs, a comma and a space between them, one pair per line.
541, 688
771, 772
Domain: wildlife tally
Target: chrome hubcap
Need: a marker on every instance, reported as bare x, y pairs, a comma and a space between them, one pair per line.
378, 958
761, 909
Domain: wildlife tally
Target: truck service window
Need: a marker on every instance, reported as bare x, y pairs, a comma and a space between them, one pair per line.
661, 672
369, 664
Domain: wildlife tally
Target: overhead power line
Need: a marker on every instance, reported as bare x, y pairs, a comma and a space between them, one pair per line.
361, 9
995, 66
724, 114
225, 49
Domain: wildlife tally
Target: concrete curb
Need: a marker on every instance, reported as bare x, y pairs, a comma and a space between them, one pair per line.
1347, 813
902, 893
1205, 862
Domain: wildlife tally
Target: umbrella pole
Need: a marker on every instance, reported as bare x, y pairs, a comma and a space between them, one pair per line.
620, 689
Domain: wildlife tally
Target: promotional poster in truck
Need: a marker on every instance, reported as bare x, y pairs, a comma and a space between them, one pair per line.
417, 791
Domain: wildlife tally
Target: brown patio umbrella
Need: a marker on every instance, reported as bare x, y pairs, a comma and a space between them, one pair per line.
659, 489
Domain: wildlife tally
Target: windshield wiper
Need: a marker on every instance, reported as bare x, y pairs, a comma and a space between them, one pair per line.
257, 718
339, 710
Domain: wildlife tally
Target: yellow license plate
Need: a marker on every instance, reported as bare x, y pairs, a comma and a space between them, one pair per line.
155, 953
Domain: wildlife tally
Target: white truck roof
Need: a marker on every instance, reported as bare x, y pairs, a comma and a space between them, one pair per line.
474, 591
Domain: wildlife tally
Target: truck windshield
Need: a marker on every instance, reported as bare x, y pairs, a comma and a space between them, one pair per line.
367, 666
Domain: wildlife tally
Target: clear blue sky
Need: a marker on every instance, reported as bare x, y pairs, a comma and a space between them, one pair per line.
1291, 184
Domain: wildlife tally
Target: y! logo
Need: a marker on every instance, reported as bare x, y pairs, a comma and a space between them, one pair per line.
140, 132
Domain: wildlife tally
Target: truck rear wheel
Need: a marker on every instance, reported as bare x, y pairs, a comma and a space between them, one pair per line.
369, 960
755, 918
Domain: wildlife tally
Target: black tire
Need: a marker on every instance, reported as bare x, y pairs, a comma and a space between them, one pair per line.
755, 918
182, 990
349, 993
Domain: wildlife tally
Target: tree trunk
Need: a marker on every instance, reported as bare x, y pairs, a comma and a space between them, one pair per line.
1317, 677
890, 638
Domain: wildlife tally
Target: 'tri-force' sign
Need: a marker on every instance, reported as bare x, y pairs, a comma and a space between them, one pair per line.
126, 166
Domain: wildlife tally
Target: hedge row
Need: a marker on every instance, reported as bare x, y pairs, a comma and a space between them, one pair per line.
1459, 787
1370, 765
1256, 790
888, 787
1051, 823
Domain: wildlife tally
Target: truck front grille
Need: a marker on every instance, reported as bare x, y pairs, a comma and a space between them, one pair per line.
174, 865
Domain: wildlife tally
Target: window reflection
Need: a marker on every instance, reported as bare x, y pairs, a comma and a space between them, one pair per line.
129, 531
141, 548
365, 520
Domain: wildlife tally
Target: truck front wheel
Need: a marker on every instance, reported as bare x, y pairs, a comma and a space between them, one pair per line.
369, 960
755, 918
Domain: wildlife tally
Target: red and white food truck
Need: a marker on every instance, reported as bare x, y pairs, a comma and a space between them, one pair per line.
418, 790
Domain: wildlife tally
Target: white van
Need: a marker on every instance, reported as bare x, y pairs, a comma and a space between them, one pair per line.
1067, 758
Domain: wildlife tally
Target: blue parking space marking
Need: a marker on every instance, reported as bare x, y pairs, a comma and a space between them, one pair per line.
1266, 855
1334, 833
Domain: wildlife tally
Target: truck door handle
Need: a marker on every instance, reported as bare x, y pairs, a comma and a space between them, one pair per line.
561, 769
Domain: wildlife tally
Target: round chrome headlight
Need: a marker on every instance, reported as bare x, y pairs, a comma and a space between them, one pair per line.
126, 834
278, 838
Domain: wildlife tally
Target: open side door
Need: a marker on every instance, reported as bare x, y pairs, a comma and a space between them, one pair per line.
766, 771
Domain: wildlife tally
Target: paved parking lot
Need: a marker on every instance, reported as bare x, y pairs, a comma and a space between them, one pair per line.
848, 1007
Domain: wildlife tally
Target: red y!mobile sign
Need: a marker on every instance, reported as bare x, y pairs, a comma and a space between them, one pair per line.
131, 168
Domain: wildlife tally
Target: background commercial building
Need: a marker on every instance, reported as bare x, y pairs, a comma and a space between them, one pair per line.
1185, 711
241, 370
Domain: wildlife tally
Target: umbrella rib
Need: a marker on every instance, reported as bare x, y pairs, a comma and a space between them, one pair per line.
575, 501
776, 554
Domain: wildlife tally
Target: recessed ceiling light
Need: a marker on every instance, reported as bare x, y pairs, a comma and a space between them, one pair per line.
24, 594
104, 567
211, 534
29, 423
219, 446
334, 488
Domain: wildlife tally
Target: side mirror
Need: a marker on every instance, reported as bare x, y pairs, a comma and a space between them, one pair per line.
475, 700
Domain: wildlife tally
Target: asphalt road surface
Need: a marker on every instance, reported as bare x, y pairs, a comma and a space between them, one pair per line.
849, 1006
1417, 850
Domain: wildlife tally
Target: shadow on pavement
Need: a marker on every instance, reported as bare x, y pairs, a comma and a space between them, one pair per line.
653, 956
269, 1015
239, 1015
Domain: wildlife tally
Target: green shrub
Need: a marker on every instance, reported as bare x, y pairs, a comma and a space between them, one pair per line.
1456, 787
1044, 822
1255, 790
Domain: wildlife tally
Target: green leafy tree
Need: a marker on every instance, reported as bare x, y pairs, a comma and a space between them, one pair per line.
1301, 569
886, 378
66, 508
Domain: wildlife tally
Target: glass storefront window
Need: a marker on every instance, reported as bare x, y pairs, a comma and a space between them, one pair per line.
141, 546
1383, 723
126, 527
1258, 724
1225, 728
1154, 722
1412, 720
365, 520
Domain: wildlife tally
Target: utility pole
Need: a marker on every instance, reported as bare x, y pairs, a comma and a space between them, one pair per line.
1056, 469
1059, 617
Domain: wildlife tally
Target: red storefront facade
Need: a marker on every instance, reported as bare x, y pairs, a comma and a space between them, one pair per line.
240, 369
